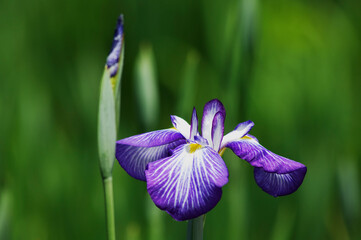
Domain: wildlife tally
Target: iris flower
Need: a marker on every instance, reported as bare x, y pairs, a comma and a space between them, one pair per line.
184, 170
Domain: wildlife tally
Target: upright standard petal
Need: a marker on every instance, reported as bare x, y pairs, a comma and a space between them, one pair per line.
200, 140
240, 131
181, 125
188, 183
217, 130
194, 124
134, 153
275, 174
210, 110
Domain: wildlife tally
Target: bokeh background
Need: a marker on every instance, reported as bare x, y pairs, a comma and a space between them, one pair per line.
292, 67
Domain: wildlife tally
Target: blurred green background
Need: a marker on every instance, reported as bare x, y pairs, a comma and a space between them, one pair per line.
292, 67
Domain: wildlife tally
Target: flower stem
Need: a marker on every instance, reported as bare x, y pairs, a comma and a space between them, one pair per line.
195, 228
109, 207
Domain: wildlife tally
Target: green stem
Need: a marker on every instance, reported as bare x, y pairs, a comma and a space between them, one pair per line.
109, 207
195, 228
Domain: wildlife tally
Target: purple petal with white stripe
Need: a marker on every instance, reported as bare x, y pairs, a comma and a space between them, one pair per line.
114, 55
181, 125
210, 110
188, 183
275, 174
251, 136
240, 131
194, 124
134, 153
200, 140
217, 130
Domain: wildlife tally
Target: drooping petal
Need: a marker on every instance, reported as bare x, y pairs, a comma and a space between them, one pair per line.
181, 125
240, 131
275, 174
194, 124
279, 184
217, 130
210, 110
134, 153
188, 183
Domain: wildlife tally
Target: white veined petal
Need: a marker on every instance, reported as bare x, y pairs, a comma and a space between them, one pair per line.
188, 183
210, 110
181, 125
217, 131
134, 153
194, 124
275, 174
240, 131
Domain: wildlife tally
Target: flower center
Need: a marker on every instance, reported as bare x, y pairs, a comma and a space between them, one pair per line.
193, 147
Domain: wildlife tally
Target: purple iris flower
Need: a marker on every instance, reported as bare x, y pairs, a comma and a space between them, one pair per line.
184, 170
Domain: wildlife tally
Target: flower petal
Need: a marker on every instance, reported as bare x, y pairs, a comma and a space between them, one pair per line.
279, 184
275, 174
240, 131
194, 124
217, 130
188, 183
134, 153
200, 140
181, 125
114, 55
210, 110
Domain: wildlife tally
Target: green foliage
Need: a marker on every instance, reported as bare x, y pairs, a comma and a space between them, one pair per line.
146, 87
107, 130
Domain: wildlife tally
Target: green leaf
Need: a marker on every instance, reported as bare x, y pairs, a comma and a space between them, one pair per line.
147, 86
106, 126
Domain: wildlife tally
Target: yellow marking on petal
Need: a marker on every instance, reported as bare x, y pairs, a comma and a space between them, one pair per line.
193, 147
222, 151
112, 81
173, 128
247, 138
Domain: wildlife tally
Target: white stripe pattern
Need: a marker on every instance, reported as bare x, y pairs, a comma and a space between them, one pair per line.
188, 183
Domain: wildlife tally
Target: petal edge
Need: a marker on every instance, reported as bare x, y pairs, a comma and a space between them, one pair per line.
279, 184
181, 125
134, 153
